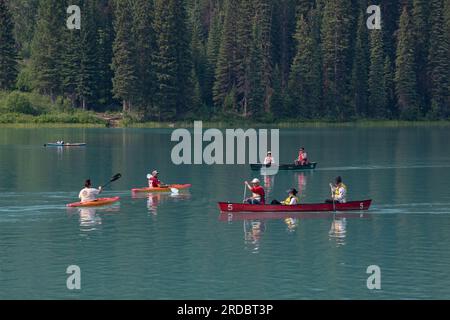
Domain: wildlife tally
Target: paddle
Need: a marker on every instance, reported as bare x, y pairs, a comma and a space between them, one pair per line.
175, 190
114, 178
332, 197
245, 192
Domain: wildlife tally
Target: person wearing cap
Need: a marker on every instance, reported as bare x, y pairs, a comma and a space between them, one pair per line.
338, 191
153, 181
88, 193
269, 159
258, 194
302, 157
292, 198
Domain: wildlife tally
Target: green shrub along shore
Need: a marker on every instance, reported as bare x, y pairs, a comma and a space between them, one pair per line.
24, 109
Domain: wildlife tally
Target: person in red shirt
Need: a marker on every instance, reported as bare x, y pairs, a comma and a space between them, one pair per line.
258, 194
153, 181
302, 157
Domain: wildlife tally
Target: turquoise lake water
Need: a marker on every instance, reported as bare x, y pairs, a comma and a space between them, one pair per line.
180, 247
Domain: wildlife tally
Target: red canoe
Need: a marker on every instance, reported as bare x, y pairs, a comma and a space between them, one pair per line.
313, 207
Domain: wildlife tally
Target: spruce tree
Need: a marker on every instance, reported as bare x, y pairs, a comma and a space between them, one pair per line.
47, 48
145, 51
173, 61
104, 44
257, 90
8, 52
124, 62
336, 50
438, 63
389, 84
420, 16
405, 75
244, 40
360, 69
277, 106
227, 65
303, 93
212, 53
377, 89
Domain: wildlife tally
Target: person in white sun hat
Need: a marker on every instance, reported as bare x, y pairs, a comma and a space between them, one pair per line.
258, 194
153, 181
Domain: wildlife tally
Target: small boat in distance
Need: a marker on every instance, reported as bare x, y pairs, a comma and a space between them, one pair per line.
163, 189
293, 166
305, 207
65, 144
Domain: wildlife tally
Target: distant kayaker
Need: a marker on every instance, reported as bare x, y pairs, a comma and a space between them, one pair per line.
89, 193
302, 157
292, 198
269, 159
258, 194
153, 181
338, 191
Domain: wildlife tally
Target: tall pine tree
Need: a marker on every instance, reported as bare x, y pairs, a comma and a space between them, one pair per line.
124, 62
438, 63
405, 75
47, 48
8, 52
377, 88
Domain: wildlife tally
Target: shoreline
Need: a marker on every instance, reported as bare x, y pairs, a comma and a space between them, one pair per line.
239, 124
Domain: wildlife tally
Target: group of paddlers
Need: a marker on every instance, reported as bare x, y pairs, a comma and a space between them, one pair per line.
338, 194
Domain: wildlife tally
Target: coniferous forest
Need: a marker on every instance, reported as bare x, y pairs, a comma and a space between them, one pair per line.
263, 60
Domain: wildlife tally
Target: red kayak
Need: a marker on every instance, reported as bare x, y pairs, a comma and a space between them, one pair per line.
313, 207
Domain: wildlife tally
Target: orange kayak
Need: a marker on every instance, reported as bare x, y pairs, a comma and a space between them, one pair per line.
168, 189
96, 203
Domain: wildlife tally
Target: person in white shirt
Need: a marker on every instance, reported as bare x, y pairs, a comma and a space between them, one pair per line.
269, 159
89, 193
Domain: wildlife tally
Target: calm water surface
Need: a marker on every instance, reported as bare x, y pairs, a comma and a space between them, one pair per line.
178, 247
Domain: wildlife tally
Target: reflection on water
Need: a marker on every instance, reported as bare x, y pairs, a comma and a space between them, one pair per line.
269, 182
292, 224
89, 219
338, 231
154, 200
253, 231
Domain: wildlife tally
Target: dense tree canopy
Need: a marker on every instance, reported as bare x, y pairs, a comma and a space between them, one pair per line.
253, 59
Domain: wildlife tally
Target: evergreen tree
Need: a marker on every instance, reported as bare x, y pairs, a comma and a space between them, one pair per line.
244, 41
420, 16
257, 92
405, 76
335, 50
438, 63
277, 106
8, 52
360, 69
212, 53
104, 43
264, 9
71, 64
173, 61
47, 47
145, 51
303, 89
199, 56
227, 65
124, 59
377, 89
86, 79
389, 84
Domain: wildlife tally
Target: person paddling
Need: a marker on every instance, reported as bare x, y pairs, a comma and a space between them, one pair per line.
338, 191
153, 181
302, 157
258, 193
269, 159
88, 193
292, 198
